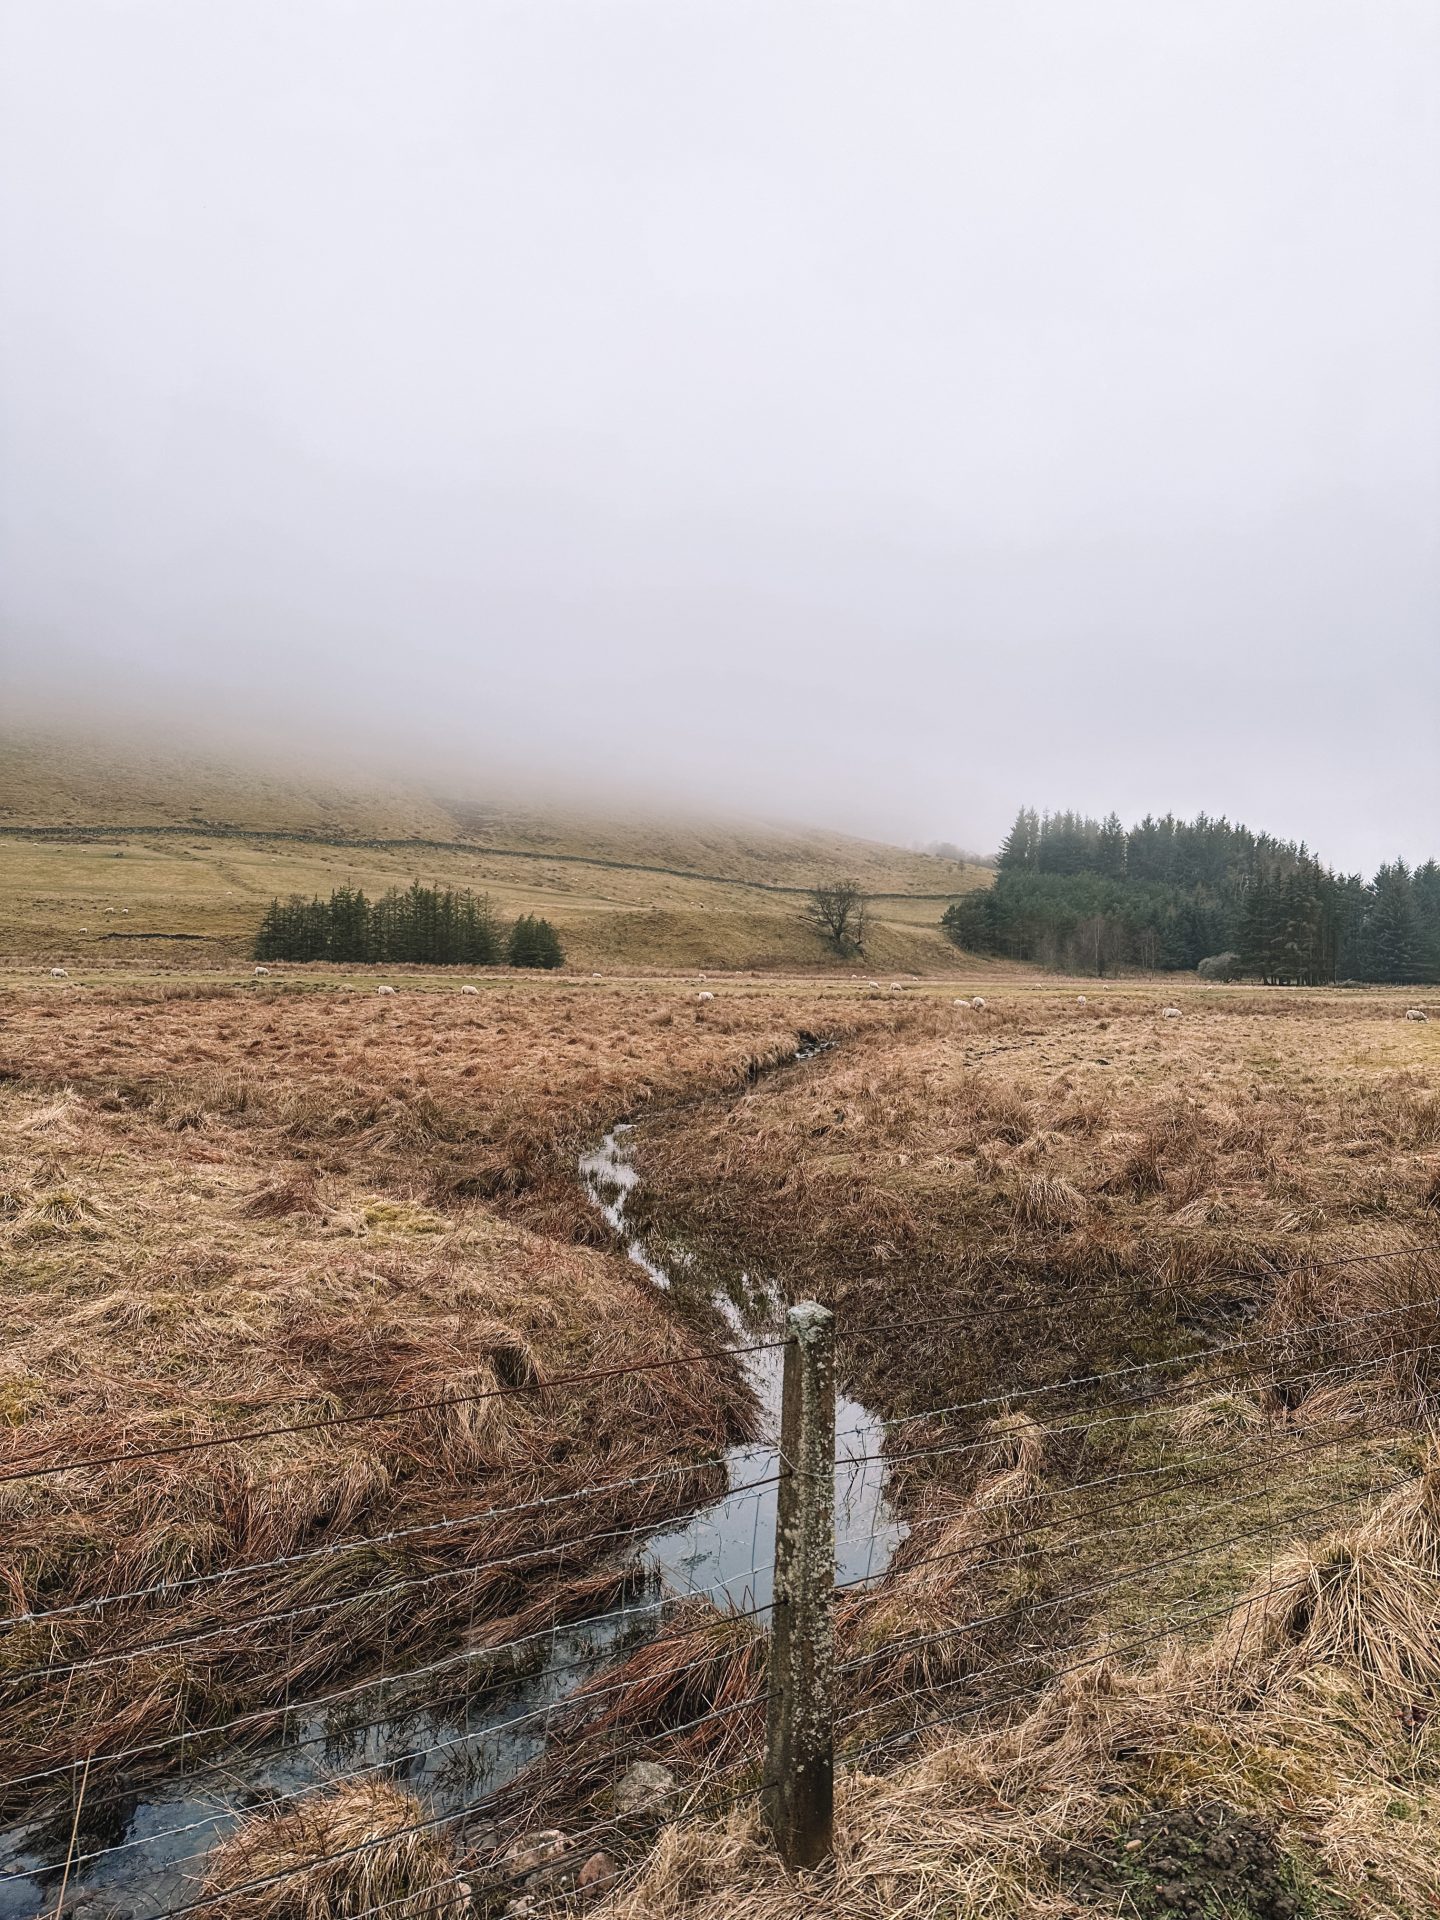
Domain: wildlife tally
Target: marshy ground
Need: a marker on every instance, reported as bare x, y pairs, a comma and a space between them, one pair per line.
230, 1205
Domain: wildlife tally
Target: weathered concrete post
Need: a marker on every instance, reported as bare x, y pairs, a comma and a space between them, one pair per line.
799, 1788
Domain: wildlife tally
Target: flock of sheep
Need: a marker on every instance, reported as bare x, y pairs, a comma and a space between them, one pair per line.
977, 1004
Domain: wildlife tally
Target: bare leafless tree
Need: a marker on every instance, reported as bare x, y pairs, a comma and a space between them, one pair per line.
836, 910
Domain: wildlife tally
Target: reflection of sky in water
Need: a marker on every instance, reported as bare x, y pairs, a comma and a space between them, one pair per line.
458, 1756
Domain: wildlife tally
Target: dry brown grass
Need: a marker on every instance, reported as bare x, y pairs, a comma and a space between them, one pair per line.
224, 1212
228, 1201
382, 1855
1312, 1707
1101, 1173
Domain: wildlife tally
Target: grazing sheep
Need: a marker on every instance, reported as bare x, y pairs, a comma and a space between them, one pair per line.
124, 909
84, 929
704, 996
897, 986
260, 970
58, 973
596, 976
1080, 1000
873, 983
469, 990
978, 1003
1417, 1013
384, 990
1171, 1013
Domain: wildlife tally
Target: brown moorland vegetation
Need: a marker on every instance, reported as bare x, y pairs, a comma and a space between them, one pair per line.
225, 1200
237, 1210
1241, 1204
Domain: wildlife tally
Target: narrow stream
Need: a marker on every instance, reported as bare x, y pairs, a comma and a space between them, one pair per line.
152, 1856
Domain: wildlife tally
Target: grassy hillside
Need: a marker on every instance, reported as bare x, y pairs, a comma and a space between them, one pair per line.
107, 857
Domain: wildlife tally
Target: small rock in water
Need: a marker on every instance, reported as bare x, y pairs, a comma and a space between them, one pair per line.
533, 1852
645, 1784
598, 1871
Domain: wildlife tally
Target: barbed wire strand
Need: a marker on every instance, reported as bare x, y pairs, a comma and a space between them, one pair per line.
399, 1411
502, 1563
1214, 1351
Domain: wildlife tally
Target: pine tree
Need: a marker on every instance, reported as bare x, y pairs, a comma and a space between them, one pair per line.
534, 943
1020, 846
1393, 932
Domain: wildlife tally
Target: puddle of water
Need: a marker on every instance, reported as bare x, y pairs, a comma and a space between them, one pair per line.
457, 1756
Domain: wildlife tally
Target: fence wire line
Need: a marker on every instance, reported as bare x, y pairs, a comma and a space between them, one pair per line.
164, 1588
1103, 1531
501, 1563
400, 1409
395, 1412
1103, 1416
427, 1824
981, 1315
563, 1703
1150, 1636
394, 1536
583, 1698
257, 1715
1220, 1351
1108, 1586
451, 1661
655, 1607
66, 1669
557, 1630
904, 1735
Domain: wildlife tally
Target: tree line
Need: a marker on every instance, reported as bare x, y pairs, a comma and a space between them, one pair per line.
428, 926
1092, 896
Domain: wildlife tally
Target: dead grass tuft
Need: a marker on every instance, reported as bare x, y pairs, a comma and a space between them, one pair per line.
411, 1875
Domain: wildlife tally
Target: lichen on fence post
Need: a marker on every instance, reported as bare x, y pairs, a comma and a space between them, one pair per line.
799, 1787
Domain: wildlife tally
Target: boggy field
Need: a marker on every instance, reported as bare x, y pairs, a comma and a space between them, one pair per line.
247, 1210
252, 1212
1162, 1638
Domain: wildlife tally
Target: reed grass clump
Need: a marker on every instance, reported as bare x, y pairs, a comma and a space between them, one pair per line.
343, 1852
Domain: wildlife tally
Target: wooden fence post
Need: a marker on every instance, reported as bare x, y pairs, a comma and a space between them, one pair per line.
799, 1789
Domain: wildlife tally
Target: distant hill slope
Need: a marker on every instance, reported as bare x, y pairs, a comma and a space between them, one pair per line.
206, 842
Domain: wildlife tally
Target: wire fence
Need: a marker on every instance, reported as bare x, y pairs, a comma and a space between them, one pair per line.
1039, 1520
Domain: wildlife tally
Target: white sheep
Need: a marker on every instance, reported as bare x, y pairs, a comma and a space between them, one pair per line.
704, 996
978, 1003
897, 986
1170, 1013
384, 990
469, 990
875, 984
1416, 1013
1080, 1000
58, 973
260, 970
124, 909
84, 929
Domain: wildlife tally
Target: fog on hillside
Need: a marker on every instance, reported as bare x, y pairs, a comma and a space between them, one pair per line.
767, 409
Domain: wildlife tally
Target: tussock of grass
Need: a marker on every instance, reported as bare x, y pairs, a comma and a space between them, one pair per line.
411, 1875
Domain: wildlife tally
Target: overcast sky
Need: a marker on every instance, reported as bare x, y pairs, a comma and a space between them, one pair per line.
874, 412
